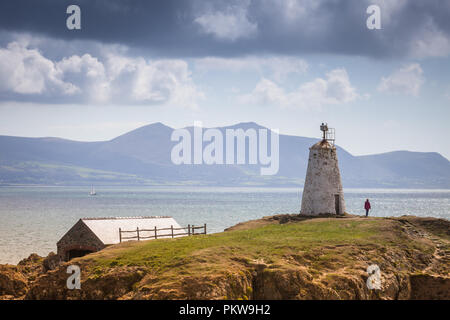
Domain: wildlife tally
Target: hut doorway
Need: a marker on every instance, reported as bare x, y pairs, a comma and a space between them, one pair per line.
75, 253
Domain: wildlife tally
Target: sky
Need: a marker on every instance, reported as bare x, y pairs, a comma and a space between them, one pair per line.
285, 64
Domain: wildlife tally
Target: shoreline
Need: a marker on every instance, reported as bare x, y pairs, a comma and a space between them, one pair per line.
231, 187
233, 227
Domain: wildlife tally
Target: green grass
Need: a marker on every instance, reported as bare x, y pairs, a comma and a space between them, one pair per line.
326, 251
269, 243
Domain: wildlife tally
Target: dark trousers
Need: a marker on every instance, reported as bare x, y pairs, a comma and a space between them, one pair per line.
367, 212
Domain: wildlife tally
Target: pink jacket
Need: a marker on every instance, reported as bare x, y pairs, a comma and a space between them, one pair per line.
367, 205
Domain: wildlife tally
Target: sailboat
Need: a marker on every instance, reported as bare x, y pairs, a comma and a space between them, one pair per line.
92, 193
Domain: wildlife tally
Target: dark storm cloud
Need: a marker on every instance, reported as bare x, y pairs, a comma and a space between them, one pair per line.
228, 28
158, 25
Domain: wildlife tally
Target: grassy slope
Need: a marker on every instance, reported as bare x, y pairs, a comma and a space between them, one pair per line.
321, 245
269, 242
309, 259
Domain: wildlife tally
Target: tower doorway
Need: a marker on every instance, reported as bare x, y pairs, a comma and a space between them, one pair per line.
337, 203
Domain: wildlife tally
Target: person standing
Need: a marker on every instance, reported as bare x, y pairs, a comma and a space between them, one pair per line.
367, 207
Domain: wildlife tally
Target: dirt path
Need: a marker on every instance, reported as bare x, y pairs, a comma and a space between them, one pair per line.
441, 255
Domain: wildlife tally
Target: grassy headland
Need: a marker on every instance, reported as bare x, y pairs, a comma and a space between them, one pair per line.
279, 257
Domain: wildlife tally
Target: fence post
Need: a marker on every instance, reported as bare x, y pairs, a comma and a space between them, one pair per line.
137, 231
171, 228
189, 229
193, 229
156, 236
204, 227
120, 235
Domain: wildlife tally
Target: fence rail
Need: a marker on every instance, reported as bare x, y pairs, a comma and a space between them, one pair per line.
138, 232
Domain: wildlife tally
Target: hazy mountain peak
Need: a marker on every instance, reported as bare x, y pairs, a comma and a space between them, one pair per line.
245, 126
240, 125
144, 131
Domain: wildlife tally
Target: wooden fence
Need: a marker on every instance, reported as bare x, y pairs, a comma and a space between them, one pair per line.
189, 231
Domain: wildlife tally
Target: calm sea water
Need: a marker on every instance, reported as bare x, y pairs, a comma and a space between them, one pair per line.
32, 219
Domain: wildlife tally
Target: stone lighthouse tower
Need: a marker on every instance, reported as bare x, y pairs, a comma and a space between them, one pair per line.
322, 192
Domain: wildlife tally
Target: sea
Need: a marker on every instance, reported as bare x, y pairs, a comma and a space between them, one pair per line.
34, 218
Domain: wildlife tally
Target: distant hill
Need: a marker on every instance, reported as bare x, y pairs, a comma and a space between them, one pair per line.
142, 157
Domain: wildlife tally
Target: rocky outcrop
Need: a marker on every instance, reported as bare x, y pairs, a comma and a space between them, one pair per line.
427, 287
16, 280
112, 284
413, 257
51, 262
13, 283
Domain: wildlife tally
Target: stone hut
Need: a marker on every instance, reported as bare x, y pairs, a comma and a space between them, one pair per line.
93, 234
322, 192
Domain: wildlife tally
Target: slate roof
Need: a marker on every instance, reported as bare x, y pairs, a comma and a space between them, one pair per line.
107, 229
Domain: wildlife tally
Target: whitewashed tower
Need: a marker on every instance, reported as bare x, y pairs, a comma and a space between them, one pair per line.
322, 192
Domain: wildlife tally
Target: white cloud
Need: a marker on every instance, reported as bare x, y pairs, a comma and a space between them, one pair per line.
334, 89
266, 92
230, 24
26, 71
156, 81
88, 74
407, 80
278, 67
115, 79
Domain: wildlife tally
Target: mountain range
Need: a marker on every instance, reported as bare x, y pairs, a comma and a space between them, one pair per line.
143, 157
